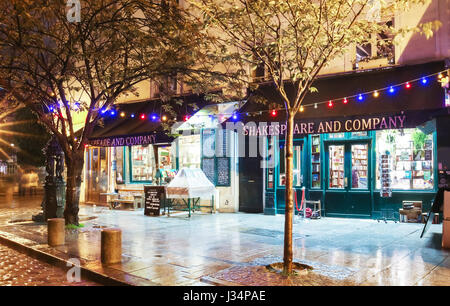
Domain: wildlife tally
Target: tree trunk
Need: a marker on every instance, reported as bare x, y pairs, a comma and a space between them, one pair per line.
74, 165
289, 199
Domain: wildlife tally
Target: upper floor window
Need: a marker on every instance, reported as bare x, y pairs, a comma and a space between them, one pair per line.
380, 47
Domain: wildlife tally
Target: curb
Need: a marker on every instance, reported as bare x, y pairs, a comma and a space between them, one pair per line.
64, 264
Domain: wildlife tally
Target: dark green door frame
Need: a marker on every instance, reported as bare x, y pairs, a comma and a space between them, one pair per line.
348, 201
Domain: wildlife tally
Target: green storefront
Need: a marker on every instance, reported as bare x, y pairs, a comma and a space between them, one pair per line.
361, 158
342, 171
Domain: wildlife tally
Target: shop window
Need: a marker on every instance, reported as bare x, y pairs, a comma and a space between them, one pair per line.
297, 173
165, 158
315, 161
360, 157
336, 166
119, 165
379, 46
411, 158
142, 163
189, 151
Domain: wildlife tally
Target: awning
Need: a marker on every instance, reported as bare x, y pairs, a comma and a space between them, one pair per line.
115, 130
210, 116
419, 97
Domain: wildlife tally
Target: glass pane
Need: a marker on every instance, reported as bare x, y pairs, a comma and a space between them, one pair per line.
297, 166
95, 174
164, 157
360, 157
297, 172
359, 134
103, 181
142, 163
315, 161
282, 179
119, 165
336, 135
189, 151
411, 152
336, 166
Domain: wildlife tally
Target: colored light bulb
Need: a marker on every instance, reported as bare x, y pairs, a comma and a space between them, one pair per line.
376, 94
142, 116
407, 85
273, 112
164, 118
424, 81
302, 108
360, 97
345, 101
330, 103
391, 89
122, 114
132, 115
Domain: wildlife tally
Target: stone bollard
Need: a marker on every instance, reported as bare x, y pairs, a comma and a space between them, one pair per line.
56, 231
111, 246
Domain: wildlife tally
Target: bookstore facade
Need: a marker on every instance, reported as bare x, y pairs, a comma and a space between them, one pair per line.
358, 173
368, 156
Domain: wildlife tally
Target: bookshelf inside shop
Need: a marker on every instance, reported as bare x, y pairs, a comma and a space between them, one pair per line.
315, 161
337, 166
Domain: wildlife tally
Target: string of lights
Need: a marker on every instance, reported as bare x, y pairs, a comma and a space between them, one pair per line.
358, 97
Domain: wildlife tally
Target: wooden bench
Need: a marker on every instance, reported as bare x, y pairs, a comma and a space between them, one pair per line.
130, 198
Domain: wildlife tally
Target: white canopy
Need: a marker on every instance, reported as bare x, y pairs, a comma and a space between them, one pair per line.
190, 183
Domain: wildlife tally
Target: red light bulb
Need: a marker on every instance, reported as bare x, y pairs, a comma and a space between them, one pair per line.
345, 101
330, 104
142, 116
273, 112
408, 86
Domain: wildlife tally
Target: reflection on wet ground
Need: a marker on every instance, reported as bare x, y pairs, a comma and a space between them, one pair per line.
232, 248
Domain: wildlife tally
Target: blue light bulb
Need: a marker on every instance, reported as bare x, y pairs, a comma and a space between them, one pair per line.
424, 81
360, 97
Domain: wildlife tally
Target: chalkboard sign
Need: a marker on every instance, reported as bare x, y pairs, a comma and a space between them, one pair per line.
154, 196
208, 168
223, 171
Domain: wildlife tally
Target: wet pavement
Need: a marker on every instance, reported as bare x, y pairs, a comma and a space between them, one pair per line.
232, 248
18, 269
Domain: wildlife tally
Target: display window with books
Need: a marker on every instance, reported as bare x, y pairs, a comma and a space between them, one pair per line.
315, 162
336, 166
142, 163
411, 158
360, 158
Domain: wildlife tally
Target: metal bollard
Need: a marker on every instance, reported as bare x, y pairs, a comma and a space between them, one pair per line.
111, 246
56, 231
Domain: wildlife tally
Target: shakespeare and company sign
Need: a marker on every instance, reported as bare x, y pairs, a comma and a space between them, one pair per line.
123, 141
329, 126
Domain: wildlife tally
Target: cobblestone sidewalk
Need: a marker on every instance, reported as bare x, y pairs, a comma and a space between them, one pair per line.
18, 269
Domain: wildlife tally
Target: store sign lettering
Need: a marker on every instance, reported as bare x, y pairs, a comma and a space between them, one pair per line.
331, 126
123, 141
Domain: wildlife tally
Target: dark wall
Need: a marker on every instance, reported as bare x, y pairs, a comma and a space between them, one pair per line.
443, 141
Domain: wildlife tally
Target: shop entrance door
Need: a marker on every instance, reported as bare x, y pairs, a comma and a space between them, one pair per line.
348, 179
97, 178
